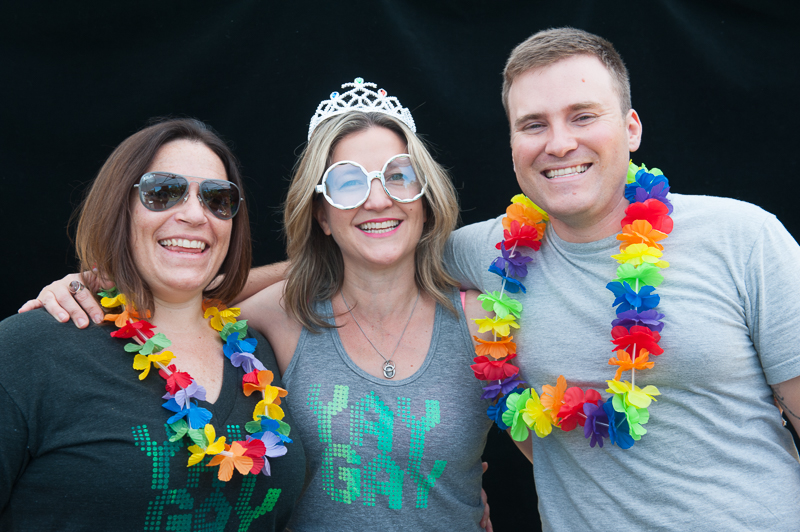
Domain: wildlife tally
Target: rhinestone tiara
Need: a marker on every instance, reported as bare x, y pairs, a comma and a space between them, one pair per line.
361, 98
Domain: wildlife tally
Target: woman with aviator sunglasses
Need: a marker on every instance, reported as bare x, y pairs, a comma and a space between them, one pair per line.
369, 331
89, 442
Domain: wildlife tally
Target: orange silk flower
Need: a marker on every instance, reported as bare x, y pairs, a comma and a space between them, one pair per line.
553, 397
623, 360
495, 349
641, 232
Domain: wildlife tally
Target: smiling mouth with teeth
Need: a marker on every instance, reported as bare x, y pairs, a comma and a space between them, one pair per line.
192, 246
572, 170
379, 227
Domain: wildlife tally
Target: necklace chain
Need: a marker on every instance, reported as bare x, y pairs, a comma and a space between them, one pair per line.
388, 364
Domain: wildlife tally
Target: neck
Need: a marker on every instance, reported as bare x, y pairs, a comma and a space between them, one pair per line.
380, 294
172, 315
590, 228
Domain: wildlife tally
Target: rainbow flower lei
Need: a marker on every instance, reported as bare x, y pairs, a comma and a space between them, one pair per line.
635, 332
268, 433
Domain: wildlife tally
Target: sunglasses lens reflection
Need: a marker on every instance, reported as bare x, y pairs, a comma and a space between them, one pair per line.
160, 192
221, 197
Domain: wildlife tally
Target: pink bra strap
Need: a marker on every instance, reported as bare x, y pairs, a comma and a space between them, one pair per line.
463, 300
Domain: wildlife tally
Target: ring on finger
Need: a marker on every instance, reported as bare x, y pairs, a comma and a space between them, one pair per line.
75, 287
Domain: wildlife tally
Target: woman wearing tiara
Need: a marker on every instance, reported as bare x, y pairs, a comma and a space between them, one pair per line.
369, 331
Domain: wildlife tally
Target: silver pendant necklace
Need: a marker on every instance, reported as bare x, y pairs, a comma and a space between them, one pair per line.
388, 364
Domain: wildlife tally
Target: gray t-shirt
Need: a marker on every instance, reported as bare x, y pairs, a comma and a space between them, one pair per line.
389, 455
716, 454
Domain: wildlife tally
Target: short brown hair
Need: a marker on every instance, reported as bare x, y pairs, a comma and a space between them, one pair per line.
103, 238
549, 46
317, 269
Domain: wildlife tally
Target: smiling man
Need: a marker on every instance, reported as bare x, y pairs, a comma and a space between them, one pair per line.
712, 452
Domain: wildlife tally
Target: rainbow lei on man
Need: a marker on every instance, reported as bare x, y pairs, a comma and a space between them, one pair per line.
268, 432
635, 332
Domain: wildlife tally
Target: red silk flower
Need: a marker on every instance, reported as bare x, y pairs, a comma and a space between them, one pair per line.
521, 236
641, 337
571, 412
130, 329
175, 380
493, 370
653, 211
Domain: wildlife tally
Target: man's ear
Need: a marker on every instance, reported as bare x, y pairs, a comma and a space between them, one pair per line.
634, 126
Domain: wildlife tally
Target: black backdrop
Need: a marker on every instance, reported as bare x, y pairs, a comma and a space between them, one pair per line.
715, 83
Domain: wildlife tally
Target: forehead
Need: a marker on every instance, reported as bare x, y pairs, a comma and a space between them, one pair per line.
576, 80
371, 148
188, 158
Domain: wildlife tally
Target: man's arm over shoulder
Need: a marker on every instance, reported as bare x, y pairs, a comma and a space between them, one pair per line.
265, 312
262, 277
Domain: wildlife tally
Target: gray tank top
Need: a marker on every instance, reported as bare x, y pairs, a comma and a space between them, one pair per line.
389, 455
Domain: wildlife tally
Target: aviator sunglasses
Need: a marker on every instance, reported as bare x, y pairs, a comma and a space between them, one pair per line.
346, 184
160, 191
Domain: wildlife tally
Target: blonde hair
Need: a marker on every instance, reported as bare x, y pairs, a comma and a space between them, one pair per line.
317, 269
546, 47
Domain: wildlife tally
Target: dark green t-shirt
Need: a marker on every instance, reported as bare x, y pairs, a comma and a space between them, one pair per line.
84, 445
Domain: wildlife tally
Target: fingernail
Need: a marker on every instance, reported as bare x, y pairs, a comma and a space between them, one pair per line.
81, 322
97, 319
62, 317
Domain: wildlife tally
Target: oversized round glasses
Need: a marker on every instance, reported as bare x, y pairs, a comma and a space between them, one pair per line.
346, 184
160, 191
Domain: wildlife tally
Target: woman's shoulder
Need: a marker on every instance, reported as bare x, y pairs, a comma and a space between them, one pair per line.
38, 328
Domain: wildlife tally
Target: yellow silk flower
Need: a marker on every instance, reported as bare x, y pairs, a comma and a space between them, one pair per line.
215, 446
268, 406
535, 416
143, 362
638, 397
221, 317
636, 254
497, 325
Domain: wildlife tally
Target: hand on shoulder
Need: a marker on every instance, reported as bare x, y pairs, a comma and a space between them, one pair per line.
265, 312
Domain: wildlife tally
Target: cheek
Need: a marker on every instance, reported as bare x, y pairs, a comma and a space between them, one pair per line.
225, 236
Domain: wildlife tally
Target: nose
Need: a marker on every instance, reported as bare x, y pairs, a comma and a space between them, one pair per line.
561, 141
378, 199
191, 209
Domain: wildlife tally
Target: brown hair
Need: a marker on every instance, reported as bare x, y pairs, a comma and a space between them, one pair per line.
317, 269
547, 47
103, 238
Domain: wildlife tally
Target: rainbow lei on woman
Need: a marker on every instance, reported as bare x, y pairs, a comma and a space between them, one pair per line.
635, 332
268, 431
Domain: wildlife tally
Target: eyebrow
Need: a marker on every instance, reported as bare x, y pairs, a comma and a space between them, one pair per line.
580, 106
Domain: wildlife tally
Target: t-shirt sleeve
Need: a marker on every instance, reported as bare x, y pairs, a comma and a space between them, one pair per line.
465, 255
13, 445
773, 301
